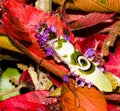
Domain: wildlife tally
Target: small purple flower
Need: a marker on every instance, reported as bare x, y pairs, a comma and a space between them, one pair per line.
47, 31
82, 82
49, 51
73, 74
66, 78
96, 62
44, 35
89, 53
44, 38
37, 35
42, 43
67, 37
77, 78
53, 29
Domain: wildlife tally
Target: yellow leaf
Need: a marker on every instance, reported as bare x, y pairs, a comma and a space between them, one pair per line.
115, 81
56, 92
5, 43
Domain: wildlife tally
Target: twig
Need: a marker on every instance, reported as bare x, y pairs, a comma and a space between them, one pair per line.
58, 72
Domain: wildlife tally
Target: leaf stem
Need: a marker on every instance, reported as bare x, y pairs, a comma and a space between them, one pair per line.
12, 90
41, 61
58, 72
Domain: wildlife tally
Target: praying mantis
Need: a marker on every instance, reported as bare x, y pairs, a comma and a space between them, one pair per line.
63, 51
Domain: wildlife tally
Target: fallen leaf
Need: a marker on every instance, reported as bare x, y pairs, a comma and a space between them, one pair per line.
7, 57
76, 22
5, 43
113, 97
112, 64
31, 101
26, 79
92, 5
56, 92
82, 99
94, 41
110, 40
6, 85
115, 81
112, 107
2, 30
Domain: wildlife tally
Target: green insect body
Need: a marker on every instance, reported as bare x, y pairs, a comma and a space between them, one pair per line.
80, 65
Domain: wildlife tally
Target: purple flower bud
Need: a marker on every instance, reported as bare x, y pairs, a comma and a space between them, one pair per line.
89, 53
96, 63
67, 37
73, 74
49, 51
53, 29
38, 35
65, 78
47, 31
44, 38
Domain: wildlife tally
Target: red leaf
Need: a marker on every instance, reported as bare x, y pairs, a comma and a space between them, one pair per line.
90, 42
17, 28
2, 30
21, 20
113, 97
32, 101
23, 1
57, 81
113, 63
26, 79
112, 107
76, 22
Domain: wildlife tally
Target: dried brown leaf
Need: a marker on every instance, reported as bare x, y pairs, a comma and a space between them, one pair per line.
110, 40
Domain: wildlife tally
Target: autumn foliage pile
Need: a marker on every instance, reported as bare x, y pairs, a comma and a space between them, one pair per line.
95, 26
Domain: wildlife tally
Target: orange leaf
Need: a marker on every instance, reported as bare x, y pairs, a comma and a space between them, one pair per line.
82, 99
93, 5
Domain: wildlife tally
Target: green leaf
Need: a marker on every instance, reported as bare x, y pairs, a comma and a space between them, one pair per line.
5, 83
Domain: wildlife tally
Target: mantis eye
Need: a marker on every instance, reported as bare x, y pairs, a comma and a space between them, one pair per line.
84, 63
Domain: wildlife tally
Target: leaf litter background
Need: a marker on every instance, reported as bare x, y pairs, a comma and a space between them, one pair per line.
93, 26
